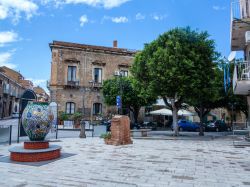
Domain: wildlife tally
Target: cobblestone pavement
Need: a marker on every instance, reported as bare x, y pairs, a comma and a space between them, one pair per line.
145, 163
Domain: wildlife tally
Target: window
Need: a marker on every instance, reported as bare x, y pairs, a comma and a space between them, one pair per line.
97, 108
71, 73
124, 73
98, 75
70, 108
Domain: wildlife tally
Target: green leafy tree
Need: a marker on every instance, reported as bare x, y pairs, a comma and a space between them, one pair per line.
174, 64
132, 98
208, 94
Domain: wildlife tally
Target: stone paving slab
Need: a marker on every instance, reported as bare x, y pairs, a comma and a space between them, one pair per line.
146, 163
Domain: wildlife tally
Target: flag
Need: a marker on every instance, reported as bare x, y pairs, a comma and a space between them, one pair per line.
228, 76
225, 78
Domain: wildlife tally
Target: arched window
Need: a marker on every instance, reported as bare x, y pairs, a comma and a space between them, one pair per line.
97, 108
70, 108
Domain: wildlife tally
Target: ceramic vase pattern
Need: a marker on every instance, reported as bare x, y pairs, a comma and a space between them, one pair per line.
37, 120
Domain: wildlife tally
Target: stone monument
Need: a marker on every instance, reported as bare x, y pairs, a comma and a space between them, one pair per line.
120, 131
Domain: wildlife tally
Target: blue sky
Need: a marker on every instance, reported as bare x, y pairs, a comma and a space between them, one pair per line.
28, 26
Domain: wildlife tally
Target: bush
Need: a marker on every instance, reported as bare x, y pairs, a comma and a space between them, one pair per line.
106, 135
77, 116
63, 116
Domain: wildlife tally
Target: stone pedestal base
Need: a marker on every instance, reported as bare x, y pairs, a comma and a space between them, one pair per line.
120, 131
35, 152
36, 145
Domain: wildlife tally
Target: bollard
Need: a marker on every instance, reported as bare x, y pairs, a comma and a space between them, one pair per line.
82, 132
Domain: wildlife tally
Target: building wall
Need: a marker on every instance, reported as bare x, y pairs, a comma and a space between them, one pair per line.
86, 93
10, 92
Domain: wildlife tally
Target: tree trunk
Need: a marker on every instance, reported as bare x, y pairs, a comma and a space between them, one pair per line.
175, 125
135, 111
201, 132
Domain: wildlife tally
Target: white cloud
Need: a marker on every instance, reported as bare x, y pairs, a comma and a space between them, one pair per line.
7, 37
83, 20
139, 16
108, 4
37, 82
15, 8
5, 58
121, 19
217, 8
40, 82
158, 17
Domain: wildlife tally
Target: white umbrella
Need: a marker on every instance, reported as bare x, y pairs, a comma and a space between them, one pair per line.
167, 112
185, 113
164, 112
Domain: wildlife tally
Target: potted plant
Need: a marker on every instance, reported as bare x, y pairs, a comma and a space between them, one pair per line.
76, 117
106, 137
62, 116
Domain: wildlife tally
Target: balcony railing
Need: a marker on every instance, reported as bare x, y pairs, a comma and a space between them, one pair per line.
240, 9
73, 83
241, 72
94, 84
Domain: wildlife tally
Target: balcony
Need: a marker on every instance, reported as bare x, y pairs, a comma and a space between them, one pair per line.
241, 78
72, 84
240, 23
94, 84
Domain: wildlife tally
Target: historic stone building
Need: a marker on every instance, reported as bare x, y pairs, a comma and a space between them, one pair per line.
78, 72
10, 92
41, 95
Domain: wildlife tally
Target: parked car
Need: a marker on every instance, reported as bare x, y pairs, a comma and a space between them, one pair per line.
149, 125
217, 125
185, 125
135, 126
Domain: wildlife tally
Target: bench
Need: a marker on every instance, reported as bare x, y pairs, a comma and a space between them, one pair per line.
144, 132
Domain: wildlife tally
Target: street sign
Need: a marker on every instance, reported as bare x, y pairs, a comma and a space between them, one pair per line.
118, 101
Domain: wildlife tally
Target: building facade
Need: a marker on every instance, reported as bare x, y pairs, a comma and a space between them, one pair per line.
10, 94
240, 41
41, 95
78, 72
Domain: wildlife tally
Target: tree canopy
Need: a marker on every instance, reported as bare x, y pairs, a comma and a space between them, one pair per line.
177, 66
132, 98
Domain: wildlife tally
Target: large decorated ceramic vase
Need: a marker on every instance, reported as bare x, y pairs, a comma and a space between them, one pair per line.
37, 120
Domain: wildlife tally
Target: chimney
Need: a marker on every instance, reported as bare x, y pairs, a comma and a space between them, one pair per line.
115, 44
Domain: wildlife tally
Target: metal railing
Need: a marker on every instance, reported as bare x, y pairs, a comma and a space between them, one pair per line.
240, 9
242, 71
73, 83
